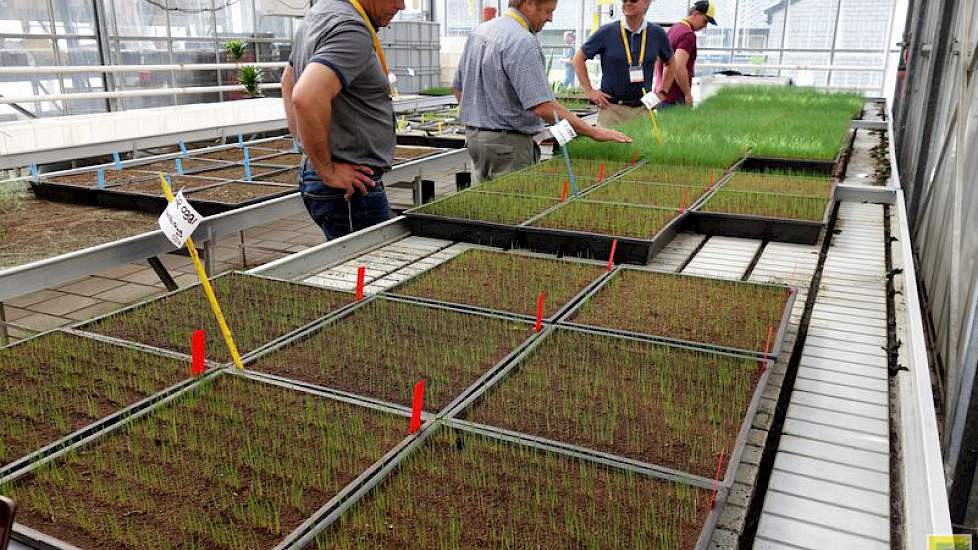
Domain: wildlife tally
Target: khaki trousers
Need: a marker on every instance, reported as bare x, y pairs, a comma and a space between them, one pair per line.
495, 153
614, 115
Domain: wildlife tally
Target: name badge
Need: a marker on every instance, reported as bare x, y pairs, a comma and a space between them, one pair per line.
636, 74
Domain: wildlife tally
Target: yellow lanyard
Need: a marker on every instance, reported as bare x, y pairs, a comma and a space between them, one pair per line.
684, 22
373, 33
519, 19
628, 48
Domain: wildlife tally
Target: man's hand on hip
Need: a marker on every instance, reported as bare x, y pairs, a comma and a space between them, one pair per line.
349, 177
604, 134
599, 98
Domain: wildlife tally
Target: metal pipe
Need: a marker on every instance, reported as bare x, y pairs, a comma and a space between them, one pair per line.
790, 67
62, 69
131, 93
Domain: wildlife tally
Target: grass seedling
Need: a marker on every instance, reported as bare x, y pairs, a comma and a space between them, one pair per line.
651, 403
508, 496
508, 282
384, 348
520, 183
608, 219
782, 184
626, 192
257, 310
767, 205
712, 311
233, 464
488, 207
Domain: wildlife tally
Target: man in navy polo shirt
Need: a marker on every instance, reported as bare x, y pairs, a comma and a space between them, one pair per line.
628, 49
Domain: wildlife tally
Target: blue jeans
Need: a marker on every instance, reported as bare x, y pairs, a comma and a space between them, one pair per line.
337, 216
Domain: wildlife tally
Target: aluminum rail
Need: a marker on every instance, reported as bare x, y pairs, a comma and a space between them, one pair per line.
858, 68
179, 67
7, 100
34, 276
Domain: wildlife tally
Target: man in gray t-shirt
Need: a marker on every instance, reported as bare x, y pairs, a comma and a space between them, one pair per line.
503, 92
338, 105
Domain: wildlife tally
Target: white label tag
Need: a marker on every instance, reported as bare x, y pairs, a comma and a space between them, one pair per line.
563, 132
636, 75
179, 220
650, 100
410, 71
392, 78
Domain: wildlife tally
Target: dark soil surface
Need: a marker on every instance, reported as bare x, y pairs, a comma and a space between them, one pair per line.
238, 192
257, 311
153, 187
627, 192
405, 152
235, 464
281, 159
384, 348
90, 179
608, 219
188, 164
508, 282
234, 172
467, 491
698, 309
282, 144
235, 154
650, 403
55, 384
287, 177
33, 229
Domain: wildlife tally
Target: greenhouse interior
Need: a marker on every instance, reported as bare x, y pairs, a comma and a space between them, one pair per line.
221, 219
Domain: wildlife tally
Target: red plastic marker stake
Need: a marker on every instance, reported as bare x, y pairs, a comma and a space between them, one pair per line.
682, 202
635, 156
716, 481
563, 194
611, 257
417, 403
197, 362
601, 173
711, 181
539, 325
361, 271
767, 346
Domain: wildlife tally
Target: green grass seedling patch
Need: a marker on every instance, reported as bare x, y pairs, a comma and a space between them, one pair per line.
665, 196
608, 219
677, 175
469, 491
647, 402
698, 309
233, 464
519, 183
509, 282
257, 311
584, 169
56, 384
767, 205
782, 184
384, 348
487, 207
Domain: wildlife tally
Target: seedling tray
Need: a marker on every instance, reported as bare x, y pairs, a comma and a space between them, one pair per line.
548, 186
147, 195
263, 457
82, 187
241, 193
258, 311
507, 495
290, 160
288, 177
702, 312
382, 347
834, 167
439, 142
57, 386
189, 165
235, 153
671, 408
503, 282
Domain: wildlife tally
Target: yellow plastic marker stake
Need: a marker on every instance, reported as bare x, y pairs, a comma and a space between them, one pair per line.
207, 286
655, 125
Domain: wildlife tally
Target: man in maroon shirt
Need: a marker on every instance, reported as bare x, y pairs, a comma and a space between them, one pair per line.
682, 38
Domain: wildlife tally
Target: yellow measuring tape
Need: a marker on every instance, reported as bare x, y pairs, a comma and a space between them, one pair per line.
207, 286
628, 48
655, 125
377, 47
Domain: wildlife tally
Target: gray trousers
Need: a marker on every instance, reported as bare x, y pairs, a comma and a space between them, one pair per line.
495, 153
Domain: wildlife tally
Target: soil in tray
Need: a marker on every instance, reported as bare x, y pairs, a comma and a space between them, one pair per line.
238, 192
509, 282
90, 179
473, 205
235, 172
384, 348
783, 184
698, 309
589, 169
405, 152
32, 229
233, 464
551, 187
257, 311
680, 175
767, 205
235, 154
188, 165
153, 187
608, 219
468, 491
281, 159
281, 144
287, 177
647, 402
55, 384
627, 192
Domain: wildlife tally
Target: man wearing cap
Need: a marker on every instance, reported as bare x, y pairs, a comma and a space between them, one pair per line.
628, 49
682, 38
337, 99
504, 95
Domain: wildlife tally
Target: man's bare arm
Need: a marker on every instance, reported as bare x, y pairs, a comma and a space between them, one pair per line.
288, 82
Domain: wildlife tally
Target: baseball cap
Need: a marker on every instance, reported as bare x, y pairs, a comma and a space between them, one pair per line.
706, 8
